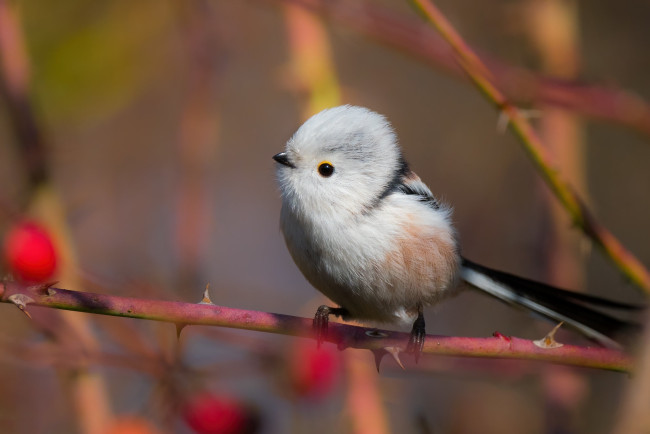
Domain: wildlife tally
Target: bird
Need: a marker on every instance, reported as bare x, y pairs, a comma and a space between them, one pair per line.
366, 232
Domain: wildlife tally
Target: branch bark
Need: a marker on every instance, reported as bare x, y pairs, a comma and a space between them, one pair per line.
343, 335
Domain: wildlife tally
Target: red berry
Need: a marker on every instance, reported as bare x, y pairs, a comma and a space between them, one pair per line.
29, 252
210, 414
315, 371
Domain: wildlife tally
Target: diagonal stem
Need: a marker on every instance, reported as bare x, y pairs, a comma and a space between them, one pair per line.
626, 262
409, 36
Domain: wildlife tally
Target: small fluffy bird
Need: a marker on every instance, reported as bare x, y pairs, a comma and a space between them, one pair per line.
368, 233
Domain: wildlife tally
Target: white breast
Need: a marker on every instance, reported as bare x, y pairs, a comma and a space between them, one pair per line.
378, 265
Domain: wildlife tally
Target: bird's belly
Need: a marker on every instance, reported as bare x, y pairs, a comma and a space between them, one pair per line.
376, 275
357, 279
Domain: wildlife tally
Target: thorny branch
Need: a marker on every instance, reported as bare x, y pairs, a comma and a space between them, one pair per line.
344, 336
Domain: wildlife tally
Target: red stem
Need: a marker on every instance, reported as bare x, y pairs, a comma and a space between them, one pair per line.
345, 336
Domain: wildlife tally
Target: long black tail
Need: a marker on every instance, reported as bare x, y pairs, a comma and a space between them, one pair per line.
574, 308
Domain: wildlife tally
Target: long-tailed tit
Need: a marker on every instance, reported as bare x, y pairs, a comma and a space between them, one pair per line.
369, 234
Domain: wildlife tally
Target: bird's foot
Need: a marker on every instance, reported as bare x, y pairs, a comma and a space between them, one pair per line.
418, 334
321, 321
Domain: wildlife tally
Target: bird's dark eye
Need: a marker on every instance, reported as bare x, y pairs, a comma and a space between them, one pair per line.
325, 169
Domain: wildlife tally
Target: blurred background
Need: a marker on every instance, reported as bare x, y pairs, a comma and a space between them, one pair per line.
139, 136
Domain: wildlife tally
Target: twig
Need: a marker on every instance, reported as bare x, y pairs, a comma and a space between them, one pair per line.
629, 265
399, 31
345, 336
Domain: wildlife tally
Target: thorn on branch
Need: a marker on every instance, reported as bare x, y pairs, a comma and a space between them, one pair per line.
206, 296
21, 301
504, 119
394, 351
45, 288
502, 336
379, 354
549, 341
179, 329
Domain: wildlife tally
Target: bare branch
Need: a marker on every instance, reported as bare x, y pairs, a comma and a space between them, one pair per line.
544, 161
344, 336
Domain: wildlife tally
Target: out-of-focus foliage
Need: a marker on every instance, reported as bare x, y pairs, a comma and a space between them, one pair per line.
91, 59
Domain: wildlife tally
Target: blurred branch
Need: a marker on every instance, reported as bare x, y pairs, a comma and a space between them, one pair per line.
553, 29
627, 263
345, 336
633, 412
87, 389
49, 354
364, 400
198, 141
311, 64
410, 36
14, 89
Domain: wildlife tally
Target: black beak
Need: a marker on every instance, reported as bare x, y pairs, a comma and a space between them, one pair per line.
283, 159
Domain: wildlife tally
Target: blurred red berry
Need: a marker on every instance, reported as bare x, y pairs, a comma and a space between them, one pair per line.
211, 414
29, 252
315, 371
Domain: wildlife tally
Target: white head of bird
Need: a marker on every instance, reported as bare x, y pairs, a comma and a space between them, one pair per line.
341, 160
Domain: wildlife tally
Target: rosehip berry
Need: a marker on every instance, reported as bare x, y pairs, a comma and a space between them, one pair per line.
211, 414
315, 371
29, 252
